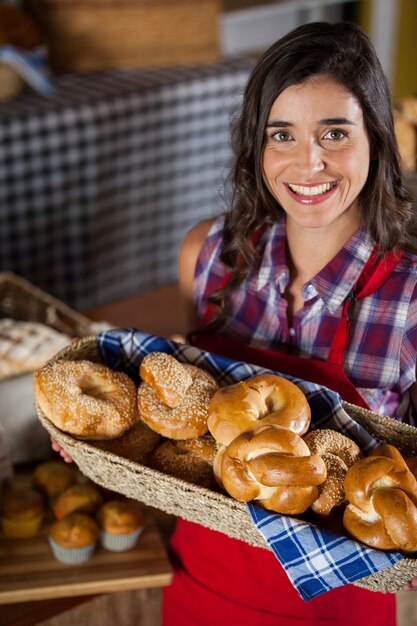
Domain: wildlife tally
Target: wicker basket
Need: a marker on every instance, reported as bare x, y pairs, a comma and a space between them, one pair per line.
201, 505
21, 300
88, 35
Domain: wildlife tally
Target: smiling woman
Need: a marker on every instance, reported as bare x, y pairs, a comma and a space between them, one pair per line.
314, 265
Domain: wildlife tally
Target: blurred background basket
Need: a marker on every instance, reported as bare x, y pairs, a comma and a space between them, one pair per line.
89, 35
20, 300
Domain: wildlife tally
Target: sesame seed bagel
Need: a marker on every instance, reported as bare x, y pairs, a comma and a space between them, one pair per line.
86, 399
338, 453
187, 419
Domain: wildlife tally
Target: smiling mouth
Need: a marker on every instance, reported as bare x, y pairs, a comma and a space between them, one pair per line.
316, 190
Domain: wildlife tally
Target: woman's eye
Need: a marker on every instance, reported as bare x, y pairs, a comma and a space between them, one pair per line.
282, 135
335, 134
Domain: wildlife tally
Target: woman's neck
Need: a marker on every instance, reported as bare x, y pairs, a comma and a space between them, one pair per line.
310, 250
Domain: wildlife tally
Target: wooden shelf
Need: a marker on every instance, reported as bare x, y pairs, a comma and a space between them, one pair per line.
30, 572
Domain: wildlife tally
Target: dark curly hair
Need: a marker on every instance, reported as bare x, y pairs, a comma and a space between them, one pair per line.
344, 53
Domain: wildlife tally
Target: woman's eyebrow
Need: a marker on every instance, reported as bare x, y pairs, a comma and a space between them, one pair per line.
328, 121
336, 121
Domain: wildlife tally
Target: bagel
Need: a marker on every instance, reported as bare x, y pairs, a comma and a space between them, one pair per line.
187, 419
264, 399
272, 466
338, 453
382, 496
190, 460
86, 399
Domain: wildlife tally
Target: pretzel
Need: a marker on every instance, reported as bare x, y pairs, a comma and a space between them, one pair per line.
338, 453
273, 466
382, 495
264, 399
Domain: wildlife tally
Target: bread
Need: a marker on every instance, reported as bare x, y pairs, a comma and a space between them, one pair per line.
190, 459
136, 444
406, 136
272, 466
382, 496
175, 400
86, 399
264, 399
77, 499
338, 453
26, 346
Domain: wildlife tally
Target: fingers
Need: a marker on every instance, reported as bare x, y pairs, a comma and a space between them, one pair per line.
411, 586
55, 446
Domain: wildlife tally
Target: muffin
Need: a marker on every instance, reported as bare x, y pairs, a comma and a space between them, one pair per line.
52, 478
74, 538
121, 523
22, 512
77, 499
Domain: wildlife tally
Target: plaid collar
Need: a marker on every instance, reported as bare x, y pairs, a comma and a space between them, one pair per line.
332, 284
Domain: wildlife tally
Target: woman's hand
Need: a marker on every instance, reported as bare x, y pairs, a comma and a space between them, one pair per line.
55, 446
411, 586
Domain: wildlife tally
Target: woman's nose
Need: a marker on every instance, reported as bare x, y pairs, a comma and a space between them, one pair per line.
309, 159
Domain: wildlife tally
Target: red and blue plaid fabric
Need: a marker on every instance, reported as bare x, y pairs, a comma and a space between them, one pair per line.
380, 358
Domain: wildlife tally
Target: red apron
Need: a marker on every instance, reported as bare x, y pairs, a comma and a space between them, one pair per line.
219, 580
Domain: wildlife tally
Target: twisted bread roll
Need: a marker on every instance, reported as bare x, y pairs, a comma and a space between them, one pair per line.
338, 453
273, 466
264, 399
175, 400
86, 399
382, 495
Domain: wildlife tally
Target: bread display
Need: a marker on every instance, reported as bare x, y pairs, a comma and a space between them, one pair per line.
405, 127
382, 501
86, 399
27, 346
187, 388
264, 399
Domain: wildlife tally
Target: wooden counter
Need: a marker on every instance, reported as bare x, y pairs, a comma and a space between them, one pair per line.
28, 570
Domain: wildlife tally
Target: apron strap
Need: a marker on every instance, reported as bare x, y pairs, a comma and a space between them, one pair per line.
373, 276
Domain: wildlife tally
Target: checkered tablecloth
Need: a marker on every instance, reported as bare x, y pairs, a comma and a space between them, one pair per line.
99, 182
315, 559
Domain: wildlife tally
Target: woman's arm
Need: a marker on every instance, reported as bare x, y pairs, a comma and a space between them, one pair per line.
188, 255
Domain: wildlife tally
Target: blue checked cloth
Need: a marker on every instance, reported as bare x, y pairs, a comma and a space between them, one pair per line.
316, 560
31, 66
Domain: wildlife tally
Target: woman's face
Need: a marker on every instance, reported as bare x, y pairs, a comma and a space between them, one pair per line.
316, 153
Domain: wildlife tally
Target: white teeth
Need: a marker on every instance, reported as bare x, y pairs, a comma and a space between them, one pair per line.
311, 191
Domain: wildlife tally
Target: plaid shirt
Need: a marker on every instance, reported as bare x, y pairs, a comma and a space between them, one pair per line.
381, 355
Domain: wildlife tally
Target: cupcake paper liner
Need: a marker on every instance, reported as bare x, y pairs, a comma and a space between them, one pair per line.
119, 543
71, 556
